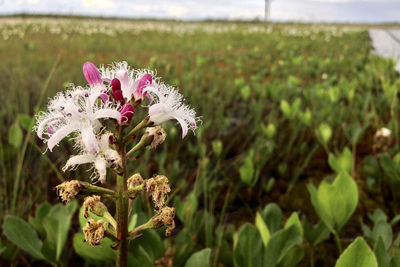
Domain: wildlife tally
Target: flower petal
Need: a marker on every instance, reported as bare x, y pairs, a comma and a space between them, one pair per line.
77, 160
43, 124
101, 167
107, 113
91, 74
184, 126
60, 134
89, 139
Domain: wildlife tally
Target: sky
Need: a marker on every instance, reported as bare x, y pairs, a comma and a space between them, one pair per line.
370, 11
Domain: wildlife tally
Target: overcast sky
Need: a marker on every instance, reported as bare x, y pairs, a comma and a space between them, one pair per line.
281, 10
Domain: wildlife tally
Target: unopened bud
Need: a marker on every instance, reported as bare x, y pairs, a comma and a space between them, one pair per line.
157, 134
91, 74
127, 111
94, 205
165, 217
68, 190
94, 231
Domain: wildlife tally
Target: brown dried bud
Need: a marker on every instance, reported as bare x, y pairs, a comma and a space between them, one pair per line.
68, 190
158, 188
134, 180
94, 231
94, 205
157, 134
382, 140
165, 217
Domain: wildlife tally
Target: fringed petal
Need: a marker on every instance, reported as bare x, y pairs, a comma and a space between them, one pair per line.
184, 126
89, 139
60, 134
100, 165
77, 160
107, 113
43, 124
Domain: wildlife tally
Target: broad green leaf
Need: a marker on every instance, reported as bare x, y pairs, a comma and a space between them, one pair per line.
285, 107
343, 162
357, 254
141, 258
292, 257
294, 220
15, 135
280, 243
315, 234
199, 259
101, 253
23, 235
151, 242
25, 121
382, 230
272, 215
262, 227
335, 203
249, 249
381, 254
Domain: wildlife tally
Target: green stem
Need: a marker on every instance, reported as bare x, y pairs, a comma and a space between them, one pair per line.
122, 209
93, 189
144, 141
110, 219
338, 243
141, 125
140, 228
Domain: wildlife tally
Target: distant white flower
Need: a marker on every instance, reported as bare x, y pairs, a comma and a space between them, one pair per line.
168, 105
105, 158
79, 111
133, 82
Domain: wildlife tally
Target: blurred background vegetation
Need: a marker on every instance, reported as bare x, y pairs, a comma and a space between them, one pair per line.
275, 100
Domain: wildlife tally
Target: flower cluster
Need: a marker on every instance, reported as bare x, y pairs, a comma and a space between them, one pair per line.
111, 95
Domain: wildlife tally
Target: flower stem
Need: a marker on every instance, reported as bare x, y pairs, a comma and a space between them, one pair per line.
141, 125
144, 141
122, 209
93, 189
338, 243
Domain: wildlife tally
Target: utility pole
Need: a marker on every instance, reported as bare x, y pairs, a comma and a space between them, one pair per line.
267, 10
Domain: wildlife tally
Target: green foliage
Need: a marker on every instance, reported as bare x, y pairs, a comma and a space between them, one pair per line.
52, 222
199, 259
342, 162
335, 202
358, 254
15, 135
246, 171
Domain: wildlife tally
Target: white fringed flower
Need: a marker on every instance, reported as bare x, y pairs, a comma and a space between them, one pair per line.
133, 82
105, 158
75, 111
168, 105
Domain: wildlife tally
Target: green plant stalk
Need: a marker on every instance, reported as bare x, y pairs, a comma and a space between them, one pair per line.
338, 242
122, 209
93, 189
144, 141
141, 125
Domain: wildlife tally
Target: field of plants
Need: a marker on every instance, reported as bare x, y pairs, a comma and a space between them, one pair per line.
296, 161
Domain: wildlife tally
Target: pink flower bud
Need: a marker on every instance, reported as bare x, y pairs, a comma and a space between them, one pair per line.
118, 97
104, 97
91, 74
127, 111
115, 85
145, 81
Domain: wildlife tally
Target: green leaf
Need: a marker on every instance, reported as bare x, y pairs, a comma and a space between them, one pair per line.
357, 254
246, 171
324, 132
335, 203
101, 253
292, 257
199, 259
382, 256
245, 92
383, 231
15, 135
315, 234
285, 107
23, 235
25, 121
294, 220
217, 147
280, 243
132, 221
343, 162
248, 249
151, 242
262, 227
272, 215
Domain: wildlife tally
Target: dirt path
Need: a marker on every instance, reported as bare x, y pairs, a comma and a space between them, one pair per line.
387, 43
